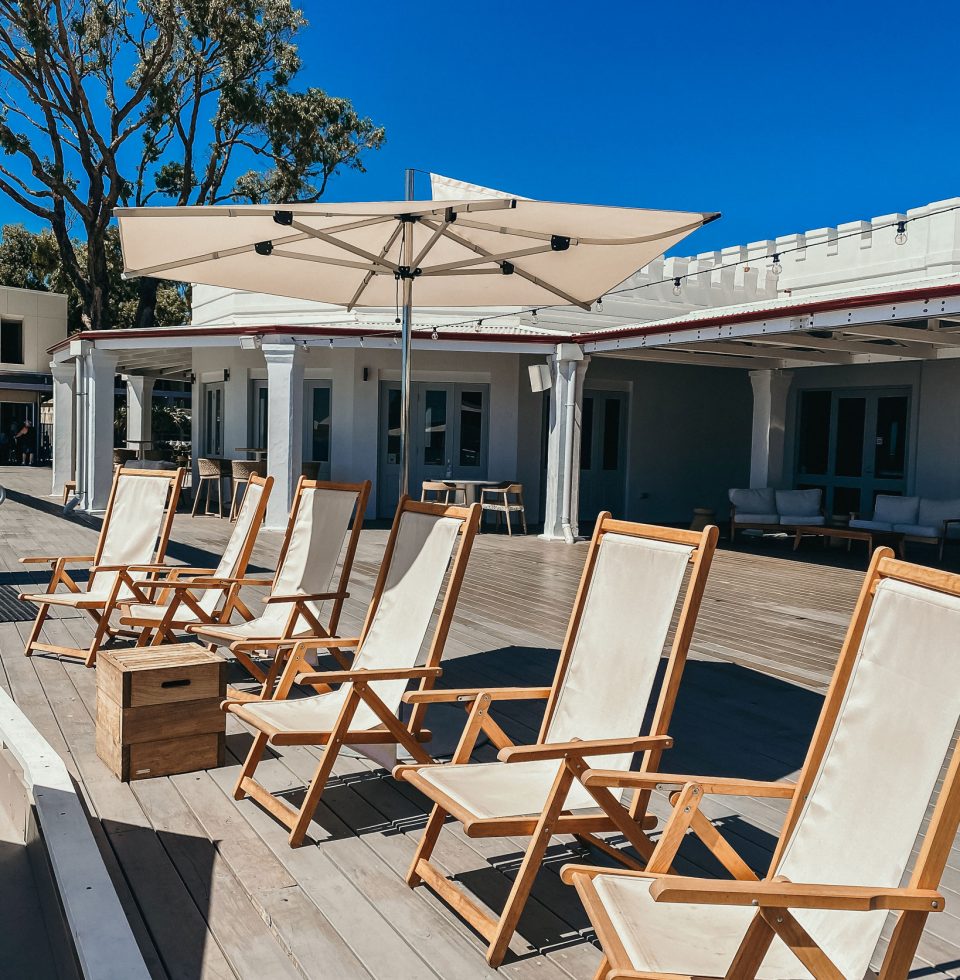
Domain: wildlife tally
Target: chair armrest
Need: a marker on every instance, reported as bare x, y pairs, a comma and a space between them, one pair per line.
345, 676
791, 895
600, 746
306, 597
53, 559
321, 643
466, 695
713, 785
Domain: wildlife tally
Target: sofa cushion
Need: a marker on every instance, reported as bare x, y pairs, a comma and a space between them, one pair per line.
935, 512
803, 520
870, 525
896, 510
757, 501
799, 503
741, 518
918, 530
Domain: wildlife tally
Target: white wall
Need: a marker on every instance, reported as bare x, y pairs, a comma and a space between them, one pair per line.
44, 317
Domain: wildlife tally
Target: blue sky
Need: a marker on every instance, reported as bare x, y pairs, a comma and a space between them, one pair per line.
782, 115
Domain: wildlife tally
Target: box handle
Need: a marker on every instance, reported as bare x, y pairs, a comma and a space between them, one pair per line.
183, 682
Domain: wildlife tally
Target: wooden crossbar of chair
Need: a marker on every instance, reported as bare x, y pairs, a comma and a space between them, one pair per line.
775, 898
391, 731
263, 656
100, 608
172, 595
631, 820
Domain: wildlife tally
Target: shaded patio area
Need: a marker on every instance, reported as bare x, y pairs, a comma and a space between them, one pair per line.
211, 887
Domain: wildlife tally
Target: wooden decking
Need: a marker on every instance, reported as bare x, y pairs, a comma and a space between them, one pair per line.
211, 887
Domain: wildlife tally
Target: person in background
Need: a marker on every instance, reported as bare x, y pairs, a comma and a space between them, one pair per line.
24, 440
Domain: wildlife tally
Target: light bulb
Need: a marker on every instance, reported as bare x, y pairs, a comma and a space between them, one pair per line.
776, 268
600, 305
361, 341
676, 286
434, 335
331, 343
901, 236
535, 312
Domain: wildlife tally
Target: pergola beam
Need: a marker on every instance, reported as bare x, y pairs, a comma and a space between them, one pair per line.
849, 346
890, 331
784, 353
669, 355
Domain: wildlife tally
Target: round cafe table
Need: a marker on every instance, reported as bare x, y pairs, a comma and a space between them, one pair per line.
471, 488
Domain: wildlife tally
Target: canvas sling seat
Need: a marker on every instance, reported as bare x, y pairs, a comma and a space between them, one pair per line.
133, 538
363, 710
307, 593
606, 681
182, 597
873, 771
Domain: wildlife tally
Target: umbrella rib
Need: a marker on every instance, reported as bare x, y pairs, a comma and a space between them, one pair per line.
498, 257
325, 260
377, 260
544, 236
366, 279
566, 297
434, 238
223, 253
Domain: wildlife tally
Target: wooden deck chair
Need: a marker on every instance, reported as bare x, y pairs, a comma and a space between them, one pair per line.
857, 810
363, 711
133, 538
605, 682
181, 597
307, 594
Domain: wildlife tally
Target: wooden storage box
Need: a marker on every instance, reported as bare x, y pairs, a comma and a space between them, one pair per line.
158, 710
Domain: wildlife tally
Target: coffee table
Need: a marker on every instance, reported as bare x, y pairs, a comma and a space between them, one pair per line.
843, 532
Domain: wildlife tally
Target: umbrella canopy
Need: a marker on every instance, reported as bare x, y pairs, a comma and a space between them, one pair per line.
472, 252
506, 252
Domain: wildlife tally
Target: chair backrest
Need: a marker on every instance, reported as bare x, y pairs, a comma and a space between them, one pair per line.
208, 468
139, 514
893, 509
236, 555
887, 726
631, 582
436, 488
319, 524
423, 539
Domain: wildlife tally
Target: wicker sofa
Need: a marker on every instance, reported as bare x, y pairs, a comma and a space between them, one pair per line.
769, 510
921, 519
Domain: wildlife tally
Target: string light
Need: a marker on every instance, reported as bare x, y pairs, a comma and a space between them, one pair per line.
535, 319
434, 335
676, 286
361, 341
776, 268
901, 236
600, 305
331, 343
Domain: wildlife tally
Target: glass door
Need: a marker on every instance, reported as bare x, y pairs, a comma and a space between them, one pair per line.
213, 403
258, 417
316, 428
603, 442
853, 444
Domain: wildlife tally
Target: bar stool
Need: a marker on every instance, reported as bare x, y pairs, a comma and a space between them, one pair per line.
498, 500
439, 492
240, 472
209, 473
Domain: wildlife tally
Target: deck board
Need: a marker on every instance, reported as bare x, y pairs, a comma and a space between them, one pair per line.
209, 884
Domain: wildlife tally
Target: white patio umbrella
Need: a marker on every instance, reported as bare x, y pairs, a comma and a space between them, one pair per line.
453, 253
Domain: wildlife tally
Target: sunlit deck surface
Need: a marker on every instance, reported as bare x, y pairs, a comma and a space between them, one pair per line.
211, 887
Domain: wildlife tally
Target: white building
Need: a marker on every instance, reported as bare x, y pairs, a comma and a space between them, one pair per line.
839, 372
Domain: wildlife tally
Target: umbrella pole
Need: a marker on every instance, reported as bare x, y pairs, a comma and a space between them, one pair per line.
405, 351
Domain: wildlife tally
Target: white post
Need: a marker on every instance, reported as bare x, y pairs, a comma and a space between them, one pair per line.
99, 374
770, 392
139, 407
567, 367
64, 392
284, 427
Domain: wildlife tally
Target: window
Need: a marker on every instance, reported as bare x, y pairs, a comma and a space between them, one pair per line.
213, 419
11, 341
320, 426
814, 436
586, 434
434, 427
471, 428
611, 434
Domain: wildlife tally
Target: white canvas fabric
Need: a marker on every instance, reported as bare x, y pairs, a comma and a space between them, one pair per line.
799, 503
228, 566
864, 811
424, 546
320, 528
760, 500
935, 512
896, 510
608, 682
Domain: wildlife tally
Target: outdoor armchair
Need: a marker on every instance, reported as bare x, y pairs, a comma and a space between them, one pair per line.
606, 680
179, 599
885, 737
135, 531
307, 592
363, 710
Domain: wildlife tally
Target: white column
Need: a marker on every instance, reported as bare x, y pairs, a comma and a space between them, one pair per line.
284, 427
770, 392
567, 368
99, 374
64, 393
139, 407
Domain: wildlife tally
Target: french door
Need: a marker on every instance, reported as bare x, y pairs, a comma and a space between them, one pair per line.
213, 407
316, 426
603, 444
853, 443
448, 436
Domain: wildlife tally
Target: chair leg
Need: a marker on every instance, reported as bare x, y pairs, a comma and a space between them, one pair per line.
509, 525
196, 497
523, 517
42, 613
427, 843
250, 765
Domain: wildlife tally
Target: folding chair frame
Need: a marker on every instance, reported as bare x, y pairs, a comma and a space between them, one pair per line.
100, 610
631, 821
774, 897
176, 590
409, 734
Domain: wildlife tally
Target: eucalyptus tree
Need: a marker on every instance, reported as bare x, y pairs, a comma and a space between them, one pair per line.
105, 102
